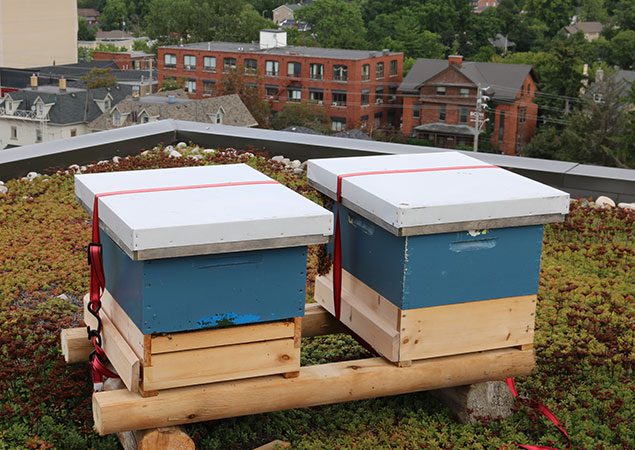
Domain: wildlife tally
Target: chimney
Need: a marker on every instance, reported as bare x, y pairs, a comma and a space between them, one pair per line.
599, 76
455, 60
272, 39
62, 84
34, 82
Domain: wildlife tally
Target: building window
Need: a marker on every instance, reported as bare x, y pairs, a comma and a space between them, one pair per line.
501, 127
107, 104
377, 121
229, 64
294, 94
316, 71
379, 95
272, 68
116, 118
38, 135
190, 86
392, 90
294, 69
463, 115
416, 110
464, 92
340, 73
189, 62
522, 115
169, 60
271, 91
379, 70
73, 132
316, 96
440, 90
393, 68
208, 87
365, 97
251, 66
338, 124
363, 122
442, 113
209, 63
339, 98
14, 133
366, 72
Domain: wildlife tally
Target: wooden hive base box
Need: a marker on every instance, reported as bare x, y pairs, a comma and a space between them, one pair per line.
402, 336
149, 363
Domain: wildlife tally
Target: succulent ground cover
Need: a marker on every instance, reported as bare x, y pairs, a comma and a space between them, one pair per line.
585, 339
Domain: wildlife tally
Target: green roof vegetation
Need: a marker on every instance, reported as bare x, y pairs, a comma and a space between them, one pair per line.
585, 339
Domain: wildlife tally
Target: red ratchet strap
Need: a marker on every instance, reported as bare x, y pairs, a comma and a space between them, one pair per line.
337, 240
98, 358
542, 409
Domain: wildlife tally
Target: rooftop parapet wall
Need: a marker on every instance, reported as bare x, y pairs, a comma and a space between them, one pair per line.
577, 179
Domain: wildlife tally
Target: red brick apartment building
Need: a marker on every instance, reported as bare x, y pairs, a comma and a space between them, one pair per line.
133, 60
358, 88
440, 97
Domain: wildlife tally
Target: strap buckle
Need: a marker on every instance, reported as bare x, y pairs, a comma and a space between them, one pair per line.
89, 248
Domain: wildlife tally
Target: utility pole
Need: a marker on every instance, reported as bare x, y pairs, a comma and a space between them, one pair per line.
480, 107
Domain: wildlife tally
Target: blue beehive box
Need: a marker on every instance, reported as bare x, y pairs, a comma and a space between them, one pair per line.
425, 230
206, 257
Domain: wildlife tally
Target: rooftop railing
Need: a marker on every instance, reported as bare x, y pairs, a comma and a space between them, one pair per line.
579, 180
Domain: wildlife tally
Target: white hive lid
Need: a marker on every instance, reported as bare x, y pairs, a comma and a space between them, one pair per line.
437, 200
202, 221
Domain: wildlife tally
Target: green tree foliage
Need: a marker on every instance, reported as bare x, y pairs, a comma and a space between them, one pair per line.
99, 78
554, 14
114, 15
600, 132
593, 10
84, 54
141, 45
101, 47
84, 31
170, 84
235, 82
336, 23
176, 21
622, 50
302, 115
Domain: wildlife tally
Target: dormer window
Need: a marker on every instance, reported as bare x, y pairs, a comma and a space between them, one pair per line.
39, 109
116, 118
107, 103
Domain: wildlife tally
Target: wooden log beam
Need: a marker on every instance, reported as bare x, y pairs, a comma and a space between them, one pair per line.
75, 345
121, 410
164, 438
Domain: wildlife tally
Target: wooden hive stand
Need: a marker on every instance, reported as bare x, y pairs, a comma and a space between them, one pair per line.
121, 410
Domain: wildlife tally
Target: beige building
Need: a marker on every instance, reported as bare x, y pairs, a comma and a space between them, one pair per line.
37, 33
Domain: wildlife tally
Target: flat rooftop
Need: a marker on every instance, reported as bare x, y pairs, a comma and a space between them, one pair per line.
289, 50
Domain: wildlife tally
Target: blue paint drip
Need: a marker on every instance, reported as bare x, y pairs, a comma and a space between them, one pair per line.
227, 320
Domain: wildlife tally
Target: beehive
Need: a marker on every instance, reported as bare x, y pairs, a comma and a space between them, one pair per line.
441, 251
179, 260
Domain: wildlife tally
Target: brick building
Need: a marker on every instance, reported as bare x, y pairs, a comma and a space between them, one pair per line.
132, 60
357, 88
440, 97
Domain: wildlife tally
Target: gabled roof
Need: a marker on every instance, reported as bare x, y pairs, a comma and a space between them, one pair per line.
181, 108
585, 27
87, 12
504, 80
72, 106
114, 34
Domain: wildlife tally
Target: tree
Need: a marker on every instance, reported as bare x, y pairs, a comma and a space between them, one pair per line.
622, 49
302, 115
170, 84
114, 15
182, 21
554, 14
335, 23
99, 78
593, 11
84, 54
234, 82
84, 31
598, 133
